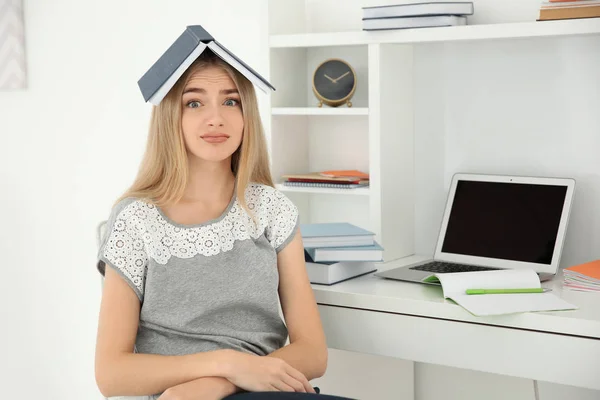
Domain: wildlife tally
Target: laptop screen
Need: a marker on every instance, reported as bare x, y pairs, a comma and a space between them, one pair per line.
509, 221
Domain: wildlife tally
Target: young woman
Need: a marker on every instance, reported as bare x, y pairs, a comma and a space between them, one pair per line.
201, 252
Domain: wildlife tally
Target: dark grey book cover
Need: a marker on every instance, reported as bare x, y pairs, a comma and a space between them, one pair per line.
163, 74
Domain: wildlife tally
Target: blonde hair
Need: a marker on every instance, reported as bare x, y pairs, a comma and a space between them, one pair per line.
163, 173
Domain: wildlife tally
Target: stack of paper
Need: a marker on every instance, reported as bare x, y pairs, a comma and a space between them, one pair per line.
585, 277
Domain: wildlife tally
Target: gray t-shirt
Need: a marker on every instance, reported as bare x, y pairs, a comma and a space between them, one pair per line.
207, 286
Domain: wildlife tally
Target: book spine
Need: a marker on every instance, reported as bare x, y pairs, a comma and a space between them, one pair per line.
322, 181
323, 185
568, 13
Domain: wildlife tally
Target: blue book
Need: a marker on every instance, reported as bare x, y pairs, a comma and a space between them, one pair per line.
332, 273
335, 234
350, 253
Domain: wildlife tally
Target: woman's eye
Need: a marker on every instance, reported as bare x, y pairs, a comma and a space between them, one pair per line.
231, 102
193, 104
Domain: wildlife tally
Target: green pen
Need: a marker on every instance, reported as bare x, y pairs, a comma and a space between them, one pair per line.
506, 291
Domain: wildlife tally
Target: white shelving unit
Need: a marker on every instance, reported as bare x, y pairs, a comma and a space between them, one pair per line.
319, 111
342, 192
377, 134
516, 30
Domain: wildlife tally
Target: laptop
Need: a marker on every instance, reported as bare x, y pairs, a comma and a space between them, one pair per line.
498, 222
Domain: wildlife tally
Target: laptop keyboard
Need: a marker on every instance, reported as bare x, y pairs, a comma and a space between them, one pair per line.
439, 266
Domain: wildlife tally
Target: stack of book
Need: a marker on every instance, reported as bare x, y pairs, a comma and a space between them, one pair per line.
584, 277
344, 179
568, 9
416, 15
335, 252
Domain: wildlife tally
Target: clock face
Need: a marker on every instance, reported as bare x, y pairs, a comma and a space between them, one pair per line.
334, 80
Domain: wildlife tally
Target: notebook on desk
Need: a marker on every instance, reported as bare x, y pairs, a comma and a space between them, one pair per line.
498, 222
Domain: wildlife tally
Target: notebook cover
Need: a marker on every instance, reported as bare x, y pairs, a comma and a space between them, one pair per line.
168, 63
332, 230
375, 246
345, 173
318, 177
591, 269
252, 71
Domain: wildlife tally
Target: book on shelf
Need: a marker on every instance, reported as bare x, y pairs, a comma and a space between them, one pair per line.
165, 72
325, 180
570, 10
332, 273
419, 9
583, 277
348, 181
569, 4
347, 173
346, 253
317, 177
325, 185
413, 22
335, 234
454, 287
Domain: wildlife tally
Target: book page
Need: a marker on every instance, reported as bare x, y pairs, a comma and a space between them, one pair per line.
498, 304
454, 286
458, 282
237, 65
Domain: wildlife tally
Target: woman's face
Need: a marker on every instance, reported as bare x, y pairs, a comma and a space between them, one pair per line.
212, 119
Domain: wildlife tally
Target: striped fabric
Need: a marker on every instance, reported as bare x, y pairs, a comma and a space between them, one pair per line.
12, 45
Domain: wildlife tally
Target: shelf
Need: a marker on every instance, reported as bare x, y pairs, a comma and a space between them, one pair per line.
346, 192
584, 26
320, 111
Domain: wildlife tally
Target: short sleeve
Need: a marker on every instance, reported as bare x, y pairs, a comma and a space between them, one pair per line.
283, 221
122, 246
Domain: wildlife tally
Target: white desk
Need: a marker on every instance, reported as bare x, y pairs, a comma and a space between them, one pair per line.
413, 322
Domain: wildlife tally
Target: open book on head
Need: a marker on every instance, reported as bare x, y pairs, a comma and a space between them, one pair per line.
505, 287
162, 76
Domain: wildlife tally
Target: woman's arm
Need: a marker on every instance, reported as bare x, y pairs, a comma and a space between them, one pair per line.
307, 351
208, 388
121, 372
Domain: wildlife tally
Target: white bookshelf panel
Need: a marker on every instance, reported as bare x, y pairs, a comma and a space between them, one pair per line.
288, 72
289, 146
514, 30
392, 146
320, 111
313, 190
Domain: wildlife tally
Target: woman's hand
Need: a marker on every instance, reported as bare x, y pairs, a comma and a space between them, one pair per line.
207, 388
265, 374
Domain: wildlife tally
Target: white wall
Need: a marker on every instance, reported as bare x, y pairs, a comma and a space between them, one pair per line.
69, 145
